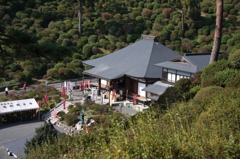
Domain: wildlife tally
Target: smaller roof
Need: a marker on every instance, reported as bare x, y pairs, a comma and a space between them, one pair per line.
190, 62
18, 105
178, 66
157, 88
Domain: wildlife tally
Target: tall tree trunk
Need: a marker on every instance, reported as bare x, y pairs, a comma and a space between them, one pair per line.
79, 18
218, 31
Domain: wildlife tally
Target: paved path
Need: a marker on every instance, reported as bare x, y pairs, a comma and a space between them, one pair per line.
11, 132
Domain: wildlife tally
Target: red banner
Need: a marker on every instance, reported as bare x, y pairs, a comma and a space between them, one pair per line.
113, 94
85, 85
46, 99
80, 86
88, 83
63, 91
64, 103
39, 104
86, 129
135, 99
55, 113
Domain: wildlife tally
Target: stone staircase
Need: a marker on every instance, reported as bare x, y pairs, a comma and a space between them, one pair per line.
50, 115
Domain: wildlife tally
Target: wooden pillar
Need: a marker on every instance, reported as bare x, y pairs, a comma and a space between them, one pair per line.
146, 86
99, 86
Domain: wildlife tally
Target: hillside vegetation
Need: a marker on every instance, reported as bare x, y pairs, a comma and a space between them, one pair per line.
43, 39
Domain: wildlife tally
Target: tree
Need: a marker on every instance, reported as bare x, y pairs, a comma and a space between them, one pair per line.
218, 31
191, 7
81, 3
46, 133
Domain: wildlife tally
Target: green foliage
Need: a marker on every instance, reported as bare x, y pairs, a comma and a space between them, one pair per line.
46, 133
206, 94
234, 83
92, 39
176, 133
183, 84
15, 87
222, 77
234, 59
209, 71
71, 119
61, 114
31, 94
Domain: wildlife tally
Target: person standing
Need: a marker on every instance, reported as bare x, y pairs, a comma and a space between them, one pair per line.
25, 86
6, 91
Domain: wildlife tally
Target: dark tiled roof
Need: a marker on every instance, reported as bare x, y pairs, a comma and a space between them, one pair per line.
136, 60
178, 66
193, 62
198, 59
157, 88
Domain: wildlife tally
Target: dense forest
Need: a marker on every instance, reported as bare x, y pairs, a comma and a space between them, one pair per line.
49, 39
193, 119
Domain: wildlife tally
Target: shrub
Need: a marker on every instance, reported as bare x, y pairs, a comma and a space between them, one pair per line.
232, 18
207, 93
99, 119
170, 95
4, 99
222, 77
234, 59
74, 110
210, 71
31, 94
230, 42
61, 114
183, 84
224, 39
70, 107
15, 87
234, 83
92, 39
71, 119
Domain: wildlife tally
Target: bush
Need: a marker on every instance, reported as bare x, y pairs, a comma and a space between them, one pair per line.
234, 59
225, 37
70, 107
234, 83
31, 94
230, 42
170, 96
222, 77
61, 114
71, 119
4, 99
92, 39
74, 110
183, 84
210, 71
207, 93
15, 87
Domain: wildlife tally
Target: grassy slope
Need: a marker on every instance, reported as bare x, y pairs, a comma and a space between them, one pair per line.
209, 129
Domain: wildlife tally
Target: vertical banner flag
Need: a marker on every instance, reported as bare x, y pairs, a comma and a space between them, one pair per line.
134, 99
64, 103
88, 83
55, 113
39, 104
113, 94
86, 129
63, 91
80, 86
84, 85
46, 99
